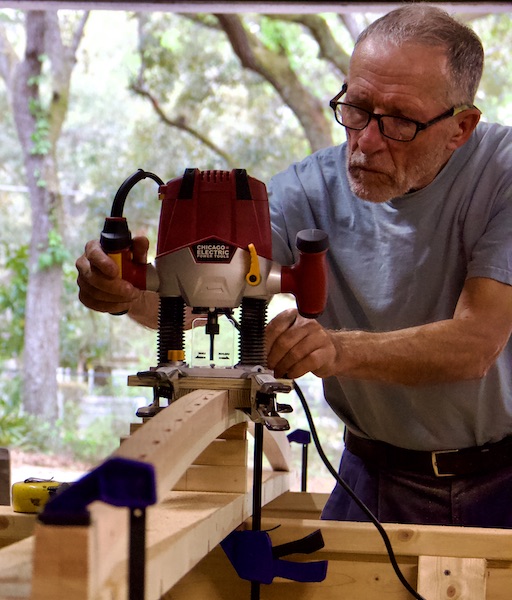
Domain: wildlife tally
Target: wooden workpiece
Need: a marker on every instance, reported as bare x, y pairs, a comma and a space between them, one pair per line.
442, 563
90, 563
199, 445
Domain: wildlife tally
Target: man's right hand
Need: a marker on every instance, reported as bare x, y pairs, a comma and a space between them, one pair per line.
101, 288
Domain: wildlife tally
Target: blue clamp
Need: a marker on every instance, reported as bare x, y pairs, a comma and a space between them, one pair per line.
300, 436
254, 559
117, 481
303, 437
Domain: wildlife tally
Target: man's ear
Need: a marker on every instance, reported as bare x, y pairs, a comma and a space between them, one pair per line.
466, 123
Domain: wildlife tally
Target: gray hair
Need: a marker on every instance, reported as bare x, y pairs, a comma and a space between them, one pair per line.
431, 26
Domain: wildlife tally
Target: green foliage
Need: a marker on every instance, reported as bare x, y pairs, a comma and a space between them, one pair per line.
95, 442
15, 427
13, 291
276, 35
64, 438
494, 96
40, 137
89, 443
205, 88
85, 340
41, 134
55, 254
19, 429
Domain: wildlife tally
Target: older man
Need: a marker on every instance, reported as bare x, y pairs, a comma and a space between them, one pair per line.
414, 346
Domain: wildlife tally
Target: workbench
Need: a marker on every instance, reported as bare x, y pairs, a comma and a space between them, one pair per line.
199, 449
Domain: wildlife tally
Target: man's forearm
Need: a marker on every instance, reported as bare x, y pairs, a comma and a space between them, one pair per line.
144, 310
437, 352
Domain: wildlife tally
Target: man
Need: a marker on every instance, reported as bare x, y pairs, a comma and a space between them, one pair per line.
414, 346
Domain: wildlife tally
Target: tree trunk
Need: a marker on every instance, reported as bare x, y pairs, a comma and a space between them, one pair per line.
38, 127
42, 309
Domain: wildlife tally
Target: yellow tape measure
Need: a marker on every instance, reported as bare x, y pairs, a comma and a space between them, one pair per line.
31, 495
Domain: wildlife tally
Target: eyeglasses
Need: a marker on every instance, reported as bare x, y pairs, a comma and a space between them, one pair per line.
400, 129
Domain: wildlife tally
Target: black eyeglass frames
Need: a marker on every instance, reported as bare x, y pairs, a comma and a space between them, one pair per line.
400, 129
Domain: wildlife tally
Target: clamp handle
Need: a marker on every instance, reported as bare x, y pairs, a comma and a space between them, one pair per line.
117, 481
254, 559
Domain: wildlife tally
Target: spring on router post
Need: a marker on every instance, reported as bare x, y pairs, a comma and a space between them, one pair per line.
171, 317
252, 332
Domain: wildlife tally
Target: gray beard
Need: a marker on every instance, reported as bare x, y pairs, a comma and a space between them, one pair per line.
381, 188
376, 192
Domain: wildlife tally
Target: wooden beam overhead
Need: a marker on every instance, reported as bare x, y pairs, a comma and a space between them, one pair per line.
277, 6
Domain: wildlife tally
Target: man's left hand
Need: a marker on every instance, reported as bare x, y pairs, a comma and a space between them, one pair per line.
296, 346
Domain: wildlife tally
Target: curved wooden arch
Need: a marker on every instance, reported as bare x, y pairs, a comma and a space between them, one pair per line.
90, 563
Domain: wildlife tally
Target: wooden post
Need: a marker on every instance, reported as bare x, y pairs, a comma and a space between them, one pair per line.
448, 578
71, 577
5, 477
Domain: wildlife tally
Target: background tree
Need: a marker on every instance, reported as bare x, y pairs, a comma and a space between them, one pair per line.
286, 53
38, 90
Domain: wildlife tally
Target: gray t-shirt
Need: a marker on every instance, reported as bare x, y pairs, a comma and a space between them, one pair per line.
404, 263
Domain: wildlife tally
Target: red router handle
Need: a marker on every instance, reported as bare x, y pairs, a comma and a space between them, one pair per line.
307, 278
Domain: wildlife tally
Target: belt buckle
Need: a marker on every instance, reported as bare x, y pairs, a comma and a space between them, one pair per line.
435, 465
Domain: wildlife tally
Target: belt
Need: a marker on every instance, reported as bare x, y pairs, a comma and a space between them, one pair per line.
443, 463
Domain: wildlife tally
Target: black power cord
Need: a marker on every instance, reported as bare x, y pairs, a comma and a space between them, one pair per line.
358, 501
126, 186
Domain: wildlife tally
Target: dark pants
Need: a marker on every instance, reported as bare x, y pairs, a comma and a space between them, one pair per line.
483, 500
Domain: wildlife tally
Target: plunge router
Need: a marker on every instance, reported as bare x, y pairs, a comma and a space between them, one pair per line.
214, 255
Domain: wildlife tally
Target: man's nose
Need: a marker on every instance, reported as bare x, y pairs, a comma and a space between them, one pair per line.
370, 139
